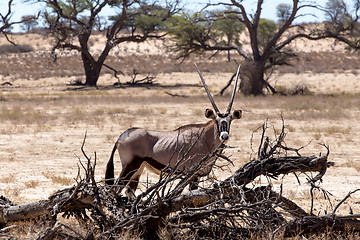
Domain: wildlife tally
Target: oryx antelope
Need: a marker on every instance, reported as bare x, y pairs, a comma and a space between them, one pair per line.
157, 150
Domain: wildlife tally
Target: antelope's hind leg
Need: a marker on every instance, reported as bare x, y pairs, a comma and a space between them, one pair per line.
134, 181
129, 176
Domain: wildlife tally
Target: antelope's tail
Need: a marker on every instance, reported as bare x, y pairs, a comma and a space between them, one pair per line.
109, 174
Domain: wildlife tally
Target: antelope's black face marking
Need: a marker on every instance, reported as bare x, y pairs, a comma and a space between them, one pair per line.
223, 122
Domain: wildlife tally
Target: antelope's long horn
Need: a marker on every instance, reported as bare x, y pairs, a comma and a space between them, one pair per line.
234, 90
207, 90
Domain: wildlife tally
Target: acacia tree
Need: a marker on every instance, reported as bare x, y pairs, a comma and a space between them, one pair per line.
29, 23
227, 30
72, 23
269, 44
283, 11
6, 23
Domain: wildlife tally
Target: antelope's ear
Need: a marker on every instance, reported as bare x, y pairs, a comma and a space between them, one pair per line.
237, 114
209, 113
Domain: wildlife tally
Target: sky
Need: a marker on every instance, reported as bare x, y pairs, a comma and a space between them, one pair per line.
269, 9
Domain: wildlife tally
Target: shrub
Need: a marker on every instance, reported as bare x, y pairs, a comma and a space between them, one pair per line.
10, 48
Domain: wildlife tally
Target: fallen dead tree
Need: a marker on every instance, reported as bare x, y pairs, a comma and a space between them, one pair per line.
233, 208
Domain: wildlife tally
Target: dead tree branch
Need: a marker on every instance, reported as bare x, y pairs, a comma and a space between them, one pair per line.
147, 80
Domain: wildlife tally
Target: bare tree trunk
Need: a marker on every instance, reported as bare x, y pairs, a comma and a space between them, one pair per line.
92, 72
252, 78
92, 77
92, 67
228, 84
61, 201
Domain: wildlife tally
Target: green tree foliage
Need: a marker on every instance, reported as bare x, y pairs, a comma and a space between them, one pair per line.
336, 11
152, 22
343, 22
196, 32
146, 18
227, 27
266, 30
29, 22
188, 33
340, 19
283, 11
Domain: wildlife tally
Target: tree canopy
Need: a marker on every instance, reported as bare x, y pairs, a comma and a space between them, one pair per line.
29, 22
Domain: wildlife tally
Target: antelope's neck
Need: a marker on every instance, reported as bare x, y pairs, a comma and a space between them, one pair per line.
211, 135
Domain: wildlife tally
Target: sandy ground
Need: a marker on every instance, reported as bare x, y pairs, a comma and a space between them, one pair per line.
43, 124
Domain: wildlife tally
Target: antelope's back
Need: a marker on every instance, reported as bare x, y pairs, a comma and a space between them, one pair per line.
187, 145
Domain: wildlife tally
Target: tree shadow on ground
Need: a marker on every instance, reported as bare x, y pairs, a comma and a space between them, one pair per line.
82, 87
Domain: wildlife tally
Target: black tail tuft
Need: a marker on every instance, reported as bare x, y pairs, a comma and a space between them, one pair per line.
109, 174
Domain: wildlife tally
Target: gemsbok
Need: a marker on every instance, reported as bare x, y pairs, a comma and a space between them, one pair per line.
180, 148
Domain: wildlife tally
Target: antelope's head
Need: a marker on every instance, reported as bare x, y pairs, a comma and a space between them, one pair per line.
222, 120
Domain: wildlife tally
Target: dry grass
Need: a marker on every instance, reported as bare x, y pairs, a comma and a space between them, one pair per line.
354, 163
57, 179
32, 184
327, 130
23, 115
8, 179
12, 193
31, 228
41, 113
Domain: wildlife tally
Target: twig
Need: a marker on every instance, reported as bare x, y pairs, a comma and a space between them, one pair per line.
343, 200
176, 95
147, 80
116, 72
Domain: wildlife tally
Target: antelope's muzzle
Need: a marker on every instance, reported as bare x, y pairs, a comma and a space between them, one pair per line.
224, 130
